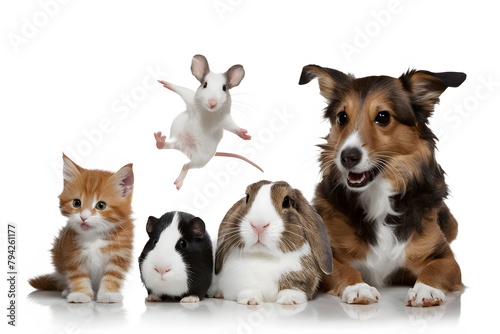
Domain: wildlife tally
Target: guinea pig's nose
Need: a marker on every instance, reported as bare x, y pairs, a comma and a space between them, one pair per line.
162, 270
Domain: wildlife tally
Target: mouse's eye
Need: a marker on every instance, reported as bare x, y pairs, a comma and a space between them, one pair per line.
183, 243
224, 88
205, 85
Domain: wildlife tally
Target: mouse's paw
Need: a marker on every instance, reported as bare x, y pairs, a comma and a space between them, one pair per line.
166, 84
161, 141
243, 134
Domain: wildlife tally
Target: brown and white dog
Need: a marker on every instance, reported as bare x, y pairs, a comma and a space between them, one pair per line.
382, 192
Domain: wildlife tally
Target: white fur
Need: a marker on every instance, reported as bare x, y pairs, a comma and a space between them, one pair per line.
388, 253
175, 281
422, 292
255, 276
360, 293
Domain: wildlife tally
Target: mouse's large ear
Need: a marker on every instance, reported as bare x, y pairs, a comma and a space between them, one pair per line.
199, 67
328, 79
234, 75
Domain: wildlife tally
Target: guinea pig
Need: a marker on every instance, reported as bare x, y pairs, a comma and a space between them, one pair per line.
176, 263
272, 246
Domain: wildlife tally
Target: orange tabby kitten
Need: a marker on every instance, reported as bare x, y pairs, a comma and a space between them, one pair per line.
94, 250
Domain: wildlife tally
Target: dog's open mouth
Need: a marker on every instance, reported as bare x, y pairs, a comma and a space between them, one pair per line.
359, 180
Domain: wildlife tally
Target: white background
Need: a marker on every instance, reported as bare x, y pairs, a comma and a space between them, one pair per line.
78, 77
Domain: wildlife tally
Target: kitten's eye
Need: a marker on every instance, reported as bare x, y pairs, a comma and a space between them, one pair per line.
100, 205
342, 118
224, 88
286, 202
205, 85
77, 203
183, 243
383, 118
246, 200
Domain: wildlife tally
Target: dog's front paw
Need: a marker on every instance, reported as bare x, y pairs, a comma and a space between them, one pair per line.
360, 293
423, 295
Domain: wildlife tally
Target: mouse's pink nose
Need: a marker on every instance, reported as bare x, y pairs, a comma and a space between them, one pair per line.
212, 103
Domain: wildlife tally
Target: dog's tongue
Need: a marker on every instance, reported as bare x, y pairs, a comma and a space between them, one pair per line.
357, 177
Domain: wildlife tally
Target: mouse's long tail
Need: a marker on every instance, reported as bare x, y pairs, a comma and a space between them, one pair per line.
232, 155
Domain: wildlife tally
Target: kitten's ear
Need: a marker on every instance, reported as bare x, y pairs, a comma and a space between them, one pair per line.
70, 169
125, 180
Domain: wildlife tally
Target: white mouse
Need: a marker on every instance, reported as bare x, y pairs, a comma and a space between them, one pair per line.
197, 131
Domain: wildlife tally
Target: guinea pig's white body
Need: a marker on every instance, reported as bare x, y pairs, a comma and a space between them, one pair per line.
163, 270
263, 250
253, 278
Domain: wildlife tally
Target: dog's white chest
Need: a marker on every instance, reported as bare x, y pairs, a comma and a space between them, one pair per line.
382, 259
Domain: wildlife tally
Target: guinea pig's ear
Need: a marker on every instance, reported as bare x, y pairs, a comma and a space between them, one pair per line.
199, 67
234, 75
315, 233
197, 227
228, 237
150, 225
328, 79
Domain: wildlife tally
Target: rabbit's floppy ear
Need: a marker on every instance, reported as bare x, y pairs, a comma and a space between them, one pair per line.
315, 233
228, 237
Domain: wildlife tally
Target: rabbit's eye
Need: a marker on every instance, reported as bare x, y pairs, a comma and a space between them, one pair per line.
286, 202
246, 200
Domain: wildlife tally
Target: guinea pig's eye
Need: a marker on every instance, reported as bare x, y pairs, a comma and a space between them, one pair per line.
155, 241
246, 199
342, 118
100, 205
183, 243
286, 202
77, 203
205, 85
224, 88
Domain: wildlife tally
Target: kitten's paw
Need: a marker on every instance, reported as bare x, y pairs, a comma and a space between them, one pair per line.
423, 295
291, 297
78, 297
190, 299
109, 297
250, 297
360, 293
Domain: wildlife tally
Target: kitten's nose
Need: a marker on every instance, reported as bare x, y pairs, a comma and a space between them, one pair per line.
83, 219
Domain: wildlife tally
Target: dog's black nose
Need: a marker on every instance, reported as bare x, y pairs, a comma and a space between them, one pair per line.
350, 157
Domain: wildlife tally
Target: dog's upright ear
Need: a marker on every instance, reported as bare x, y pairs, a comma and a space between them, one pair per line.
426, 87
328, 79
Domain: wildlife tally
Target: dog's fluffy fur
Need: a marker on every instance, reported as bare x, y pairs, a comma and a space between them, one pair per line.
382, 192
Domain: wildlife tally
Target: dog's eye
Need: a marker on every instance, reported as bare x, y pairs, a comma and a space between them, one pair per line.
341, 118
383, 118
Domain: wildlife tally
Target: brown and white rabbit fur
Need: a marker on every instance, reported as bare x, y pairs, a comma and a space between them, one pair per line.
272, 247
